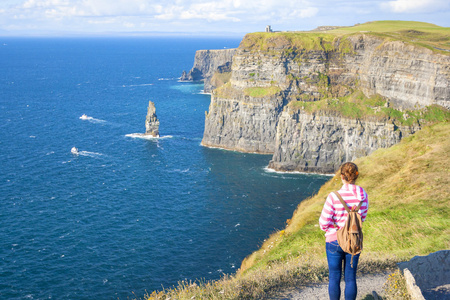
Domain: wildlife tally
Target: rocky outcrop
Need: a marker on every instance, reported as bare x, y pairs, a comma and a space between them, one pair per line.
320, 142
251, 112
242, 123
409, 76
206, 64
428, 277
151, 121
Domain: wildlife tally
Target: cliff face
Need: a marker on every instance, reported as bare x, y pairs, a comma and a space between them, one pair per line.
206, 64
243, 123
409, 76
321, 142
251, 113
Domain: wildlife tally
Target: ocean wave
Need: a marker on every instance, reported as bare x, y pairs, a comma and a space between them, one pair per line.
165, 78
268, 170
137, 85
202, 92
187, 170
147, 137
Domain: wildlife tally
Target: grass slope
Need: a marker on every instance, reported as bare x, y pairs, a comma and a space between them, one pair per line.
409, 193
408, 188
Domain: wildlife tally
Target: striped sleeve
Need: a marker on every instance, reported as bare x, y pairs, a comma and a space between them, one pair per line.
326, 221
362, 196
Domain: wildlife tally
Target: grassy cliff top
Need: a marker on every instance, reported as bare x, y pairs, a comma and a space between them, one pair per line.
421, 34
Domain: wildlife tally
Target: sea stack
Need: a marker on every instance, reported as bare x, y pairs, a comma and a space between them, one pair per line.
151, 121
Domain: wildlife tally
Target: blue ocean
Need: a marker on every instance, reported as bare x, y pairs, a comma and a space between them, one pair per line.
125, 215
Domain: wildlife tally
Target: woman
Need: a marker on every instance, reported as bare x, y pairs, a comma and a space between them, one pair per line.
332, 218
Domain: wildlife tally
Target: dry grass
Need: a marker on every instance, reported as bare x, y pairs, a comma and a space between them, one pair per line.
409, 192
395, 287
219, 79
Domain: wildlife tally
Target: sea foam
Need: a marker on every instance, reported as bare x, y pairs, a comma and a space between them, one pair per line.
147, 137
268, 170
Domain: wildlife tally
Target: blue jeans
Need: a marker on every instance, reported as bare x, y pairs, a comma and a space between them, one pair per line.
335, 257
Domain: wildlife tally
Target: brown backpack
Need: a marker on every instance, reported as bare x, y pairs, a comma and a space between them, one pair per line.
350, 237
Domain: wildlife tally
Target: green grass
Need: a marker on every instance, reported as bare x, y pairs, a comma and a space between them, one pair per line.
227, 91
409, 191
419, 34
389, 26
416, 33
288, 41
358, 106
408, 187
260, 92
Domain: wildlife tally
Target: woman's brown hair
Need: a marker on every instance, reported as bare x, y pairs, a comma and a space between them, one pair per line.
350, 172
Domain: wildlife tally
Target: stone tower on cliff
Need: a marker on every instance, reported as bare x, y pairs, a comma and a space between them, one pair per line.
151, 121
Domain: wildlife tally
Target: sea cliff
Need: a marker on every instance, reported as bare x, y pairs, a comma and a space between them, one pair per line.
206, 64
388, 82
321, 141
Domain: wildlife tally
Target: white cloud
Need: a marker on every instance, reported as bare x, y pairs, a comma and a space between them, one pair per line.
129, 25
415, 6
209, 15
309, 12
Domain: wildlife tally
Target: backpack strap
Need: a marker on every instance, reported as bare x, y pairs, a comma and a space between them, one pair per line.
359, 205
345, 204
342, 201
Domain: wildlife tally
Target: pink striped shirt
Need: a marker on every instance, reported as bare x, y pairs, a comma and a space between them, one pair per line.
333, 211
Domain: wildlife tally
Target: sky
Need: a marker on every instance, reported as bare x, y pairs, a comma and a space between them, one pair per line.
203, 17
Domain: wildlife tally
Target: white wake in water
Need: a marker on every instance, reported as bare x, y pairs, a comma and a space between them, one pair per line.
91, 119
76, 152
147, 137
90, 154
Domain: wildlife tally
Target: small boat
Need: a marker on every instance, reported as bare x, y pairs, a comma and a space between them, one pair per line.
74, 150
84, 117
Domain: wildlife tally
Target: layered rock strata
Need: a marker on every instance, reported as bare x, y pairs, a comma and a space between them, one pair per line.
250, 113
206, 64
243, 123
409, 76
151, 121
320, 142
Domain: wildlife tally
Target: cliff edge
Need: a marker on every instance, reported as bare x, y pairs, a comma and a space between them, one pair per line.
206, 64
315, 100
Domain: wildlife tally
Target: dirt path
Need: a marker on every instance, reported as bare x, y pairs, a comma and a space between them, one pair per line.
366, 285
